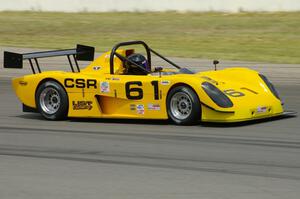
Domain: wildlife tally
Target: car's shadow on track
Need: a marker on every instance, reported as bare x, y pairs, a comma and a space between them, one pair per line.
35, 116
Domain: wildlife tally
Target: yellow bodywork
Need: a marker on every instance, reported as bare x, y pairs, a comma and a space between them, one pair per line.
109, 99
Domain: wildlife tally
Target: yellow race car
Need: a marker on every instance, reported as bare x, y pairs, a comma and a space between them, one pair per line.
123, 84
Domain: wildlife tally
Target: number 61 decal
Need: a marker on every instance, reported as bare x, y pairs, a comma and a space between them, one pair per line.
136, 92
233, 93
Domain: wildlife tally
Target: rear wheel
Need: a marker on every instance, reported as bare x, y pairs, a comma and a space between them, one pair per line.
183, 106
52, 101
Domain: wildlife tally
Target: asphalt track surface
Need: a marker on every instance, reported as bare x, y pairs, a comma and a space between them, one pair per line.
96, 158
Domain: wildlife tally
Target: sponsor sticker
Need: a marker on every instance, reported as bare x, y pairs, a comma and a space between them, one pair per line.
22, 83
82, 105
96, 67
115, 78
165, 82
140, 109
80, 83
155, 107
104, 87
132, 107
261, 109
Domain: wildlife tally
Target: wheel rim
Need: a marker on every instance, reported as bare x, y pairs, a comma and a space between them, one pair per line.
181, 105
50, 100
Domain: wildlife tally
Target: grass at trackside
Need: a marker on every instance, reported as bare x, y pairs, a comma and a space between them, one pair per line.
268, 37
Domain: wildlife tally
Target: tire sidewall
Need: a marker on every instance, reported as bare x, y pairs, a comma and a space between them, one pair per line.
195, 115
62, 112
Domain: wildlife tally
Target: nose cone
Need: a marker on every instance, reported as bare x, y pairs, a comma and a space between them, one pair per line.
252, 100
249, 94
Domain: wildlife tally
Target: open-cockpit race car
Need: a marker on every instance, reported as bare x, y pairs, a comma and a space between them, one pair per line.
124, 84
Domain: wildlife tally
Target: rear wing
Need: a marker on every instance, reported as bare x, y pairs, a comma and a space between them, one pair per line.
81, 52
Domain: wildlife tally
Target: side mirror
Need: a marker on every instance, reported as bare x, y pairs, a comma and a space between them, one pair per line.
215, 62
158, 69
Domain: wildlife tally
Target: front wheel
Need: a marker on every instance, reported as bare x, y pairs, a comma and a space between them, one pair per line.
52, 101
183, 106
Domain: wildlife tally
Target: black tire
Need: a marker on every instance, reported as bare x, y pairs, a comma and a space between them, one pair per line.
183, 106
52, 101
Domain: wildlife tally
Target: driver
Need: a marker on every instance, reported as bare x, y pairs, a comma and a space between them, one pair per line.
131, 69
